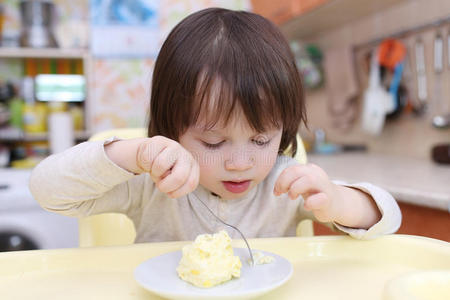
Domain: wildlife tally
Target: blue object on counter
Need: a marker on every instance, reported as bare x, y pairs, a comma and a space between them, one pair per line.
322, 147
326, 148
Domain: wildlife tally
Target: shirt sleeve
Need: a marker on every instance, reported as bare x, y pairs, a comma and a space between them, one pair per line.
391, 216
83, 181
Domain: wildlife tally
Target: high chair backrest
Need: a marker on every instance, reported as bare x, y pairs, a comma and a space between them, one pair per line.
111, 229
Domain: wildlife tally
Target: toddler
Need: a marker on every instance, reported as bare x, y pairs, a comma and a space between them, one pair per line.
226, 103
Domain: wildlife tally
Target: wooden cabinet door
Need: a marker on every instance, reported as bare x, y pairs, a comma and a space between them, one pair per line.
307, 5
417, 220
424, 221
280, 11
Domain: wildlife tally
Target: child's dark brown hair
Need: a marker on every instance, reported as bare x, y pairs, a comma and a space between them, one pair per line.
239, 57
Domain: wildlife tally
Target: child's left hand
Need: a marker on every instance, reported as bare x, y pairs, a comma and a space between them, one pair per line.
321, 196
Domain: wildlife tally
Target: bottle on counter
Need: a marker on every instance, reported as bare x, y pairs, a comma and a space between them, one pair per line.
61, 127
16, 113
77, 116
34, 113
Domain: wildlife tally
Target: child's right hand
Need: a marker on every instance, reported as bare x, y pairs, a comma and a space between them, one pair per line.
173, 169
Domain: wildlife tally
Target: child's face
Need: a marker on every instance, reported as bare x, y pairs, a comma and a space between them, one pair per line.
233, 158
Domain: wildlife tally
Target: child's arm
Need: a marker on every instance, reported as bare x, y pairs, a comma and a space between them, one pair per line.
356, 209
84, 180
328, 201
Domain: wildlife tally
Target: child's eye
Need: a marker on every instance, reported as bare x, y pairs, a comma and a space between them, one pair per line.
212, 146
261, 142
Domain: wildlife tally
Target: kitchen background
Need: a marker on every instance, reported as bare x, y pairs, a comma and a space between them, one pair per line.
69, 69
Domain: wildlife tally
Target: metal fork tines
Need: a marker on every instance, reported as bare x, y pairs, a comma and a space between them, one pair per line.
221, 221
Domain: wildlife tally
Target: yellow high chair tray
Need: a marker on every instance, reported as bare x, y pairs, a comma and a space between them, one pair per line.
325, 267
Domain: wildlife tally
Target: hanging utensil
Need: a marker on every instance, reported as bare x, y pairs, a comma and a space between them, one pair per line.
440, 107
377, 101
443, 121
448, 49
421, 73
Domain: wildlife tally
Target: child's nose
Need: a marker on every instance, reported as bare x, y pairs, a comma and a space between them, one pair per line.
239, 161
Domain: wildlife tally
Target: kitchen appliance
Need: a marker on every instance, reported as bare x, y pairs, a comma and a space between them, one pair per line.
441, 153
60, 87
24, 225
37, 24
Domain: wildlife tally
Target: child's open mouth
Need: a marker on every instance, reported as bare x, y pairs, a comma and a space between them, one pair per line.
236, 186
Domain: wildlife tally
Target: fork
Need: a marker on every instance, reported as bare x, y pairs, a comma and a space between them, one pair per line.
221, 221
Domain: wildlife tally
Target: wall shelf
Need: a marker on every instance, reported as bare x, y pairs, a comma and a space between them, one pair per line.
23, 53
19, 136
9, 52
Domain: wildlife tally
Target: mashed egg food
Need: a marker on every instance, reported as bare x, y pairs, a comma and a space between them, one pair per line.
209, 260
261, 259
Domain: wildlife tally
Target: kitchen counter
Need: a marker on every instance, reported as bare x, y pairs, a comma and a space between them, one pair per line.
410, 180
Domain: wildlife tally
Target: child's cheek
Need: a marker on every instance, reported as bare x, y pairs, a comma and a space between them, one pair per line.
209, 159
265, 162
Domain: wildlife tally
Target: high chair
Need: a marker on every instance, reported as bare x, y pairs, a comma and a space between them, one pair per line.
111, 229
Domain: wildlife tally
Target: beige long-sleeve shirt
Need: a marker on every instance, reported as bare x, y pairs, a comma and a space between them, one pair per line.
83, 181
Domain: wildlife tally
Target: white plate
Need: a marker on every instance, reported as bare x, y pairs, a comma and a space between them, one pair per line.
159, 276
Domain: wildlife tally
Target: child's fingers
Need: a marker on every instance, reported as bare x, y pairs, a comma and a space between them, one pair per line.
287, 177
147, 153
190, 184
284, 181
164, 161
302, 186
316, 201
177, 177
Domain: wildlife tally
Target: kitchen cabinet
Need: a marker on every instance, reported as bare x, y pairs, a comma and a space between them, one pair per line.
282, 10
425, 221
417, 220
304, 18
